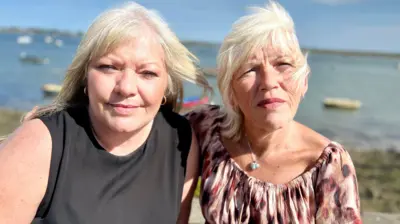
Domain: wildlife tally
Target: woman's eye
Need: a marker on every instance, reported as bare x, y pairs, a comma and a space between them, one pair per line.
250, 70
149, 74
253, 69
284, 64
107, 67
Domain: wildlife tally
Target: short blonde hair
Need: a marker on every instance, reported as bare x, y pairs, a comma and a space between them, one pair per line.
272, 26
108, 31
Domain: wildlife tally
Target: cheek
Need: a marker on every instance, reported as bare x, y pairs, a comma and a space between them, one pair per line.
243, 93
152, 91
100, 86
294, 92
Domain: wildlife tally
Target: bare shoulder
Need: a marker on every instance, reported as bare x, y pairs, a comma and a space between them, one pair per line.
31, 135
27, 152
313, 142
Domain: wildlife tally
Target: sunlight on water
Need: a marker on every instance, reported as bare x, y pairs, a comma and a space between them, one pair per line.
372, 80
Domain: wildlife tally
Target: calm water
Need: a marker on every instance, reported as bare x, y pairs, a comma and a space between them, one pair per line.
372, 80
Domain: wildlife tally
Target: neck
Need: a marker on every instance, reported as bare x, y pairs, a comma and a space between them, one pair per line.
268, 140
120, 143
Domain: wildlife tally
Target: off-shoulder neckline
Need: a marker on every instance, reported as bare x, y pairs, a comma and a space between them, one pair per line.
292, 183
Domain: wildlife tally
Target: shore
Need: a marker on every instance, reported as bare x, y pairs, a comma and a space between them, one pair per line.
378, 172
9, 120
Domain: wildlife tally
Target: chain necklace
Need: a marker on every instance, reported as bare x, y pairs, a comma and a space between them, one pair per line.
254, 164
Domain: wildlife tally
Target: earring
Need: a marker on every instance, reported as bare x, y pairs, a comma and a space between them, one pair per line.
85, 91
164, 100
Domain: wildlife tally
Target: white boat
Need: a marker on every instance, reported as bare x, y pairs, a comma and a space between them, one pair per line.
24, 39
342, 103
51, 89
58, 43
48, 39
32, 59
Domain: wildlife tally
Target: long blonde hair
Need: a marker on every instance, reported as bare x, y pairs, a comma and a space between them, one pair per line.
110, 29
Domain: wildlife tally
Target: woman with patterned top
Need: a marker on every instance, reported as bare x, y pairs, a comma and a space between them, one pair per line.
258, 165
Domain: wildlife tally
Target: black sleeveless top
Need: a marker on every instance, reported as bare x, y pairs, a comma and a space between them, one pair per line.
89, 185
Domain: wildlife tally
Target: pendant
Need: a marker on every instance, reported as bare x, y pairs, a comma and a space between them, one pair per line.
254, 165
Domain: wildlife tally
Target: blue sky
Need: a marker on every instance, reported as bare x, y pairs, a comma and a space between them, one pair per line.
330, 24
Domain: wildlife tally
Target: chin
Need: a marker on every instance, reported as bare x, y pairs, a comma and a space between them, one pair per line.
126, 125
277, 121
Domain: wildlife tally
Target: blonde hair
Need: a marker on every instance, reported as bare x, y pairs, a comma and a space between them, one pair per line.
109, 30
271, 26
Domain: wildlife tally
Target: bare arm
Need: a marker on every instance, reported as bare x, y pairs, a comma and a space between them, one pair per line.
24, 170
192, 174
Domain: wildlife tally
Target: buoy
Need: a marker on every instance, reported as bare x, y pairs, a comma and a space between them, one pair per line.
342, 103
51, 89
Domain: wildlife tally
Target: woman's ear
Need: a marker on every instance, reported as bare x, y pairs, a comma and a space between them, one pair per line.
232, 100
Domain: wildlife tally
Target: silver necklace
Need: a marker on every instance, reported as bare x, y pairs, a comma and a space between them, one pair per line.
254, 164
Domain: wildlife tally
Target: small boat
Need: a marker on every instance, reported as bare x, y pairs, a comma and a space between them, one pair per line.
193, 101
59, 43
50, 89
342, 103
48, 39
32, 59
24, 39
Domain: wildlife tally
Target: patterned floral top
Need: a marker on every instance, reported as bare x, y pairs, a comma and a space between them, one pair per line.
327, 193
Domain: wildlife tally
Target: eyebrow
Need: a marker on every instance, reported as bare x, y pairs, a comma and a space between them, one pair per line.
149, 62
152, 64
112, 58
121, 61
253, 61
283, 56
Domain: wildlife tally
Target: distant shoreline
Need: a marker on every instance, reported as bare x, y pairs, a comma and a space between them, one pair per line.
40, 31
353, 53
342, 52
57, 32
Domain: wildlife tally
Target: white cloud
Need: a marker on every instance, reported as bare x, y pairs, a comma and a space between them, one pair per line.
336, 2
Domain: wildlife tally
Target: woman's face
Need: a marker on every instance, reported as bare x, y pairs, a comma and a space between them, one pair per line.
264, 90
126, 86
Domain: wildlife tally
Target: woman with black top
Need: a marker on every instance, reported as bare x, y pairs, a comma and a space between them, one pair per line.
111, 148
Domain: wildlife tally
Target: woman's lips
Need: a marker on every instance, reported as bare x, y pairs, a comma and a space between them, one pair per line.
123, 109
271, 103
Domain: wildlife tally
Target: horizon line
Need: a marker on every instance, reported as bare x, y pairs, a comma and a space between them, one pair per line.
68, 32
